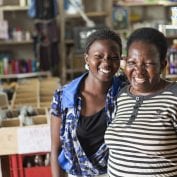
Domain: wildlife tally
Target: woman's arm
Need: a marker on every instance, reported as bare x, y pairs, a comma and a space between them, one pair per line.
55, 147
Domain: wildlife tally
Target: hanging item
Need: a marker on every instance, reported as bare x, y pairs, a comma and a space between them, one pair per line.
43, 9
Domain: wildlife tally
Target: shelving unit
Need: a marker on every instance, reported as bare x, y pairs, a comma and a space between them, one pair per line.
13, 8
99, 11
72, 64
12, 42
11, 13
165, 29
17, 47
154, 13
148, 11
25, 75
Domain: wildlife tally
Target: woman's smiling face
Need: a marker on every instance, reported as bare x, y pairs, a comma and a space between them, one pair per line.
143, 67
103, 59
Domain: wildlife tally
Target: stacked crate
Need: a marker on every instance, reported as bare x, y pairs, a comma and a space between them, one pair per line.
35, 92
12, 117
22, 141
46, 91
26, 94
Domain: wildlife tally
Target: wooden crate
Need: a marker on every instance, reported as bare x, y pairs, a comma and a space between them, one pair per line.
40, 118
26, 94
47, 88
37, 93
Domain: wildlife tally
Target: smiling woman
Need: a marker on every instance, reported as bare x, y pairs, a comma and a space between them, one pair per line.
82, 110
142, 138
144, 67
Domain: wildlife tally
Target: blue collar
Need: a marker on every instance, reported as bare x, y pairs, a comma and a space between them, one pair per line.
70, 92
116, 85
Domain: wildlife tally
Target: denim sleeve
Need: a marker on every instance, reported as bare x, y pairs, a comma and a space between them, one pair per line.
55, 108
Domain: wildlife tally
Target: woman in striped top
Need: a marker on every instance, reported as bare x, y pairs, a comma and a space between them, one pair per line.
142, 138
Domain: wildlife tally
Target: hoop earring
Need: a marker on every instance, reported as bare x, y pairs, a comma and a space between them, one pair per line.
87, 67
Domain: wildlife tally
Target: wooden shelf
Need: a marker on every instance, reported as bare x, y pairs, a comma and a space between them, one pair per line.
171, 76
69, 41
169, 3
171, 37
13, 8
76, 70
89, 14
169, 26
13, 42
43, 21
25, 75
166, 4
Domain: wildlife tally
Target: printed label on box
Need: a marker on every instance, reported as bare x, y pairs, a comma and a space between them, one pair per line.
34, 139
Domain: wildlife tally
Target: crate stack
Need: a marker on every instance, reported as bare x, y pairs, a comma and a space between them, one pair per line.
25, 142
11, 118
46, 91
35, 92
26, 94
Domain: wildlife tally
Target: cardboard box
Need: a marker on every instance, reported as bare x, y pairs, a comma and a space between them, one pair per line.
22, 140
18, 139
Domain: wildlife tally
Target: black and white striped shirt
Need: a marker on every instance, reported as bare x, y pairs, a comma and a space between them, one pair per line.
142, 138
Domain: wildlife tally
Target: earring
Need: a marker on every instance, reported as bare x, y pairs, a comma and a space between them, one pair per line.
87, 67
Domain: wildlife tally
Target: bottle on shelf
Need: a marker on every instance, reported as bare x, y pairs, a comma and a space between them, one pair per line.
22, 3
172, 58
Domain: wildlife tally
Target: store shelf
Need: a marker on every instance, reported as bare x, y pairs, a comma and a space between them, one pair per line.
147, 4
75, 70
13, 42
169, 3
43, 21
89, 14
25, 75
171, 76
14, 8
69, 41
168, 26
164, 28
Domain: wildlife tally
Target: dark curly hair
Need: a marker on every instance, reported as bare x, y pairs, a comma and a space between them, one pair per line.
103, 34
151, 36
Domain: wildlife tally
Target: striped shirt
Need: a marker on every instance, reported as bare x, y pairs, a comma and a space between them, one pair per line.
142, 138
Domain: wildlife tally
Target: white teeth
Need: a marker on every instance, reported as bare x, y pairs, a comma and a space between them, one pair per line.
139, 80
104, 70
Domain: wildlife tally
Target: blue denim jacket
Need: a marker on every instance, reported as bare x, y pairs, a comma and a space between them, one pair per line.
67, 104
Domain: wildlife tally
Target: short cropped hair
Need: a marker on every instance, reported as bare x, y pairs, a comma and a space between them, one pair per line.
151, 36
103, 34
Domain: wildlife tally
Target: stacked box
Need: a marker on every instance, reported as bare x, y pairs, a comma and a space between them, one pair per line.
18, 138
26, 94
12, 117
47, 88
35, 92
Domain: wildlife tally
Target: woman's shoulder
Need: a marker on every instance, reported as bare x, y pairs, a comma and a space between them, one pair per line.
124, 88
172, 87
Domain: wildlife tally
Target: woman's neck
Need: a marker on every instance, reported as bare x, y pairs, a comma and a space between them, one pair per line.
95, 86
